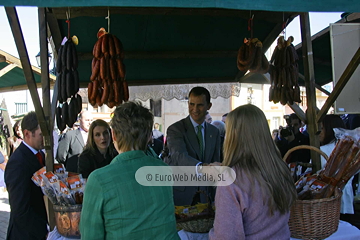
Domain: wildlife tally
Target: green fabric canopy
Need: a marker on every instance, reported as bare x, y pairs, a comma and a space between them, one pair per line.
273, 5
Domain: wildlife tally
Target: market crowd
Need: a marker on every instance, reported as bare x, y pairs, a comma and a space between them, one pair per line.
115, 206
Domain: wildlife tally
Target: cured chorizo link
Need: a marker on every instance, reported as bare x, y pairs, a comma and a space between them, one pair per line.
125, 90
105, 94
111, 93
98, 98
116, 92
113, 72
118, 47
103, 68
112, 50
90, 89
98, 44
107, 64
95, 70
256, 64
105, 43
95, 90
121, 68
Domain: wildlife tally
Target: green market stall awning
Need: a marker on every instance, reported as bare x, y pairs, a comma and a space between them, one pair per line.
273, 5
169, 45
12, 76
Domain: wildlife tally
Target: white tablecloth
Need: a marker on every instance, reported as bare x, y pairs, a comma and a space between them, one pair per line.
345, 231
55, 235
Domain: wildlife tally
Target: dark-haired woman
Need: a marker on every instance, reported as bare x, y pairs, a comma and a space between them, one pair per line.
99, 149
327, 142
16, 139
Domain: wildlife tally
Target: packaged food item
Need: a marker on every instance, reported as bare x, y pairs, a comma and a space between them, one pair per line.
48, 186
76, 188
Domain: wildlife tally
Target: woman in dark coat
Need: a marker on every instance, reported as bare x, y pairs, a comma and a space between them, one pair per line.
99, 149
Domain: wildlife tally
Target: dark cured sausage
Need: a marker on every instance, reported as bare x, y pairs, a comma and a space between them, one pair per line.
58, 79
69, 84
69, 55
76, 82
58, 60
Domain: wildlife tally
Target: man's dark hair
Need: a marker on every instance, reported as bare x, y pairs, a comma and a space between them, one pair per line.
330, 122
30, 122
225, 115
198, 91
294, 116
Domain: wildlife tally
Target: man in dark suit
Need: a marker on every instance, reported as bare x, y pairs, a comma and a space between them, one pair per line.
28, 219
184, 144
72, 144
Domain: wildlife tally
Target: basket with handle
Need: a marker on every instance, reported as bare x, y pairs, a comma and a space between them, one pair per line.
199, 223
315, 218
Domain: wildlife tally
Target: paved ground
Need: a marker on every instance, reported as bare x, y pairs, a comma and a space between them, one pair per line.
4, 213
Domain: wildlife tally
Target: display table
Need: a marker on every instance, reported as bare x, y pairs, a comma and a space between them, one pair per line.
345, 231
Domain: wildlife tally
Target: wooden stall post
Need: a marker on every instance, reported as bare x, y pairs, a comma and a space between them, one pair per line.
310, 88
45, 82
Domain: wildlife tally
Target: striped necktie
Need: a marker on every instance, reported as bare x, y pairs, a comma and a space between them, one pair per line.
201, 141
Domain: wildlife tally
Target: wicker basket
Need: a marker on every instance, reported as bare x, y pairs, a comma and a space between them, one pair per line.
201, 223
316, 218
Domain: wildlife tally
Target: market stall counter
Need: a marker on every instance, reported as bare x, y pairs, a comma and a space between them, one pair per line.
345, 231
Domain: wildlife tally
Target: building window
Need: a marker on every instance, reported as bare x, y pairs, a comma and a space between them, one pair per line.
276, 121
155, 107
20, 108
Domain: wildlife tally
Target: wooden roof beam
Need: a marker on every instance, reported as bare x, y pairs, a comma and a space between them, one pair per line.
168, 54
7, 69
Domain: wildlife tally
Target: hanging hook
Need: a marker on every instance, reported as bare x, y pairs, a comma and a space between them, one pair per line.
108, 18
250, 25
68, 21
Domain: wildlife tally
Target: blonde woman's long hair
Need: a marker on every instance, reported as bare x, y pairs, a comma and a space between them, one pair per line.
249, 146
